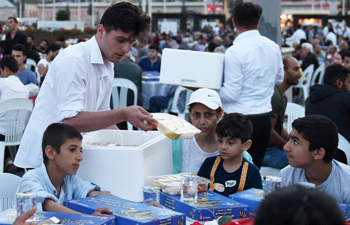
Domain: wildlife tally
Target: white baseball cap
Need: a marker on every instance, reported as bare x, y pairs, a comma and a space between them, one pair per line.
207, 97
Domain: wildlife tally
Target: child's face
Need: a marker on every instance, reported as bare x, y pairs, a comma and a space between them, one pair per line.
297, 149
70, 155
204, 118
231, 148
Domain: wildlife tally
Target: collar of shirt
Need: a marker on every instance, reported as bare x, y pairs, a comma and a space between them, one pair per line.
245, 34
44, 173
96, 54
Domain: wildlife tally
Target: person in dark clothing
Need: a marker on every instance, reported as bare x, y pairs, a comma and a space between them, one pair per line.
333, 101
308, 57
129, 70
14, 36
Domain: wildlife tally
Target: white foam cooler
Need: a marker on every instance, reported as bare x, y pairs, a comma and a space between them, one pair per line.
124, 169
192, 68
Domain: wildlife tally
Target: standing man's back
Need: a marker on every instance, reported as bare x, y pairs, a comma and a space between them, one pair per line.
252, 67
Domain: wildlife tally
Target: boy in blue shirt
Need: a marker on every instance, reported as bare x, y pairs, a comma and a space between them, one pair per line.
56, 180
230, 172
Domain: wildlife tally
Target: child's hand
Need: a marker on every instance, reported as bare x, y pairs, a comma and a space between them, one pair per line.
155, 204
103, 211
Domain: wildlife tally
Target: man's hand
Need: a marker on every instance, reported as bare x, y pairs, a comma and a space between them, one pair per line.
140, 118
102, 211
21, 220
43, 69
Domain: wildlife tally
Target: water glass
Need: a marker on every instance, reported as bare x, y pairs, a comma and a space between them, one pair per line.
189, 188
24, 202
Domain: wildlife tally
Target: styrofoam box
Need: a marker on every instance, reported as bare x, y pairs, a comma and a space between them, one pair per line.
192, 68
124, 169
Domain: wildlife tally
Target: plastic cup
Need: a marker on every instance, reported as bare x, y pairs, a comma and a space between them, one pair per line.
24, 202
189, 188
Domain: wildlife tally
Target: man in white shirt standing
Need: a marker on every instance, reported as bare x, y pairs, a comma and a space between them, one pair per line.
78, 85
43, 64
253, 65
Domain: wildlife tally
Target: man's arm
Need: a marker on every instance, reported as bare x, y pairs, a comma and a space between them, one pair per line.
233, 77
275, 139
91, 121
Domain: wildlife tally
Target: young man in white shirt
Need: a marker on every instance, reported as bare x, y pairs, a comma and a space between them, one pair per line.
78, 84
43, 65
253, 65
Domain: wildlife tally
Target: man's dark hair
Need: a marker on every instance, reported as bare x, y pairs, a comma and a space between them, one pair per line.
320, 132
126, 17
345, 54
20, 48
44, 40
31, 36
298, 205
13, 18
61, 39
335, 72
56, 135
285, 60
235, 125
247, 15
52, 47
10, 62
155, 47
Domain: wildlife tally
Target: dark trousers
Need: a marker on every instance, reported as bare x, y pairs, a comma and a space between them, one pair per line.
260, 137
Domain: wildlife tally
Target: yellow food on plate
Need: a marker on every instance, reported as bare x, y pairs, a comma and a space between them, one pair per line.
174, 127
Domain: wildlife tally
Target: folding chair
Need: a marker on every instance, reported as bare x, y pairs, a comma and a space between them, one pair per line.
120, 89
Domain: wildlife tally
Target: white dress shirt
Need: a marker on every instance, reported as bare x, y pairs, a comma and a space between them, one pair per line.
79, 79
10, 87
296, 37
253, 64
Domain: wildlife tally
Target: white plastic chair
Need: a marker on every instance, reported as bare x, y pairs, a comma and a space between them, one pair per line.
31, 63
8, 188
319, 73
120, 94
344, 146
293, 111
173, 102
15, 114
305, 81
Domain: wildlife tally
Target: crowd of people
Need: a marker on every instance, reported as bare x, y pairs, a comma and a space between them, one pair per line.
241, 124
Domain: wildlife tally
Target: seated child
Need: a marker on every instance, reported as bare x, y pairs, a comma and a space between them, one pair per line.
298, 205
205, 111
55, 181
310, 151
230, 172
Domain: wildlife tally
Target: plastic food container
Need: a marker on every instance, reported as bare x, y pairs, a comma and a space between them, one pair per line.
171, 184
174, 127
203, 184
